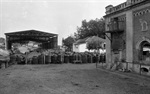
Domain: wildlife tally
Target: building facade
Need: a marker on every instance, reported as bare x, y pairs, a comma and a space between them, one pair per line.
128, 34
80, 45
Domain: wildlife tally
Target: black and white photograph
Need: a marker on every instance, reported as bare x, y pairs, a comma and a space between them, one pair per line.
74, 46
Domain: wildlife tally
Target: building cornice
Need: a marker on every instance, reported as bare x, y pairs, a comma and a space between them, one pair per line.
127, 8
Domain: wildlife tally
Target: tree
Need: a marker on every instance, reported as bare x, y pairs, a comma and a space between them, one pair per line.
2, 43
68, 43
94, 43
2, 40
91, 28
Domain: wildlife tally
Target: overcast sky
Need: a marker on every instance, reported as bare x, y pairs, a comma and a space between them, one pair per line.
55, 16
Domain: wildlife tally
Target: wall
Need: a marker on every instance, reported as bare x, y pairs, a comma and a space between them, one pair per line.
110, 55
75, 48
140, 16
82, 47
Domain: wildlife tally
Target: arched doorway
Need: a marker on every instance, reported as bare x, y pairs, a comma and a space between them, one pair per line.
145, 51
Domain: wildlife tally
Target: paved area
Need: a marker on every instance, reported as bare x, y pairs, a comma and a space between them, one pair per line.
69, 79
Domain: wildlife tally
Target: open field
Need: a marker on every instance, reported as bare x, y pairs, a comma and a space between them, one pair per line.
68, 79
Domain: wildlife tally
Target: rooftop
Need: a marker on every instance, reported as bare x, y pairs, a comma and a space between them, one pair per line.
30, 33
112, 9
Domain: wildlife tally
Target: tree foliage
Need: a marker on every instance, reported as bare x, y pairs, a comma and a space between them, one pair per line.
91, 28
2, 40
94, 43
68, 43
2, 43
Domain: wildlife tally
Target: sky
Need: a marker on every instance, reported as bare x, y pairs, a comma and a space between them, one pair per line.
54, 16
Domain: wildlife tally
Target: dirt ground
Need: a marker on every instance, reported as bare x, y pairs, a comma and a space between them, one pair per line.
69, 79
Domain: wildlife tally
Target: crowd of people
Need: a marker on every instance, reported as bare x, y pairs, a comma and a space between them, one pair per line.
57, 57
54, 57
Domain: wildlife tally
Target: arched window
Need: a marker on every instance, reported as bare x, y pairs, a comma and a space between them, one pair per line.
144, 25
145, 51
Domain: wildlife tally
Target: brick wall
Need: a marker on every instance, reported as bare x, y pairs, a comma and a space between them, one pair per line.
138, 34
122, 38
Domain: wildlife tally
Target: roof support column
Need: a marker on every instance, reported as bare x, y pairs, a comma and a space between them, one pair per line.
6, 43
55, 41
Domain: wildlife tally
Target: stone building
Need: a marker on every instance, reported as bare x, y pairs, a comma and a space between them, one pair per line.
128, 35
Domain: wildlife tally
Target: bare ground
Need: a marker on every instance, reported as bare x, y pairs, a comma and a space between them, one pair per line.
69, 79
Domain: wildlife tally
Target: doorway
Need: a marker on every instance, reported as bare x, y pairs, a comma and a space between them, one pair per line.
145, 51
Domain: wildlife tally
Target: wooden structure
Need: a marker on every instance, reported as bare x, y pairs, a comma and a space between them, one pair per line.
48, 40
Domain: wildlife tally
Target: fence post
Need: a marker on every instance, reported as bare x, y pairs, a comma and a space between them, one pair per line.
44, 58
126, 65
